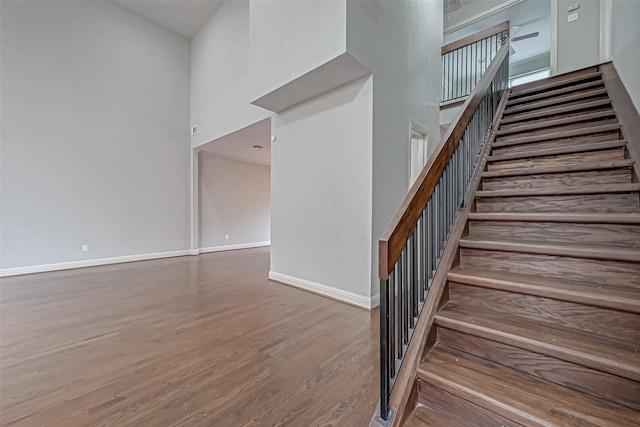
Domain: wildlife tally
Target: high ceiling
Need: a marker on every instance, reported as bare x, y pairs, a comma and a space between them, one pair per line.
185, 17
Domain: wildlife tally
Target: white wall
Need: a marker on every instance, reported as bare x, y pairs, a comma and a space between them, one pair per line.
400, 42
578, 42
95, 142
290, 38
624, 45
234, 200
220, 77
321, 191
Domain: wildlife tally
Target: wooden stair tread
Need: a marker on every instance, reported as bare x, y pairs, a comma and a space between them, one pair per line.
571, 149
549, 93
557, 217
555, 82
517, 396
554, 111
556, 122
541, 170
565, 290
602, 353
426, 417
562, 191
610, 253
587, 130
555, 101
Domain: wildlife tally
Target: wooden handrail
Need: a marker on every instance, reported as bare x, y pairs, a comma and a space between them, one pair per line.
496, 29
400, 227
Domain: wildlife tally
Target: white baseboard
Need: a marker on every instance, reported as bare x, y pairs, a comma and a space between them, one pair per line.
234, 247
334, 293
375, 300
5, 272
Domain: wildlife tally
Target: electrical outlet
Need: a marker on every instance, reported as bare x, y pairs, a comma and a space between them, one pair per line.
194, 129
226, 237
85, 248
572, 17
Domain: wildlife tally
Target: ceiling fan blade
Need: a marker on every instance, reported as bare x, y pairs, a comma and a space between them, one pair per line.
526, 36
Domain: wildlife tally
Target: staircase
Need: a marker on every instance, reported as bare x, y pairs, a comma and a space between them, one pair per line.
540, 322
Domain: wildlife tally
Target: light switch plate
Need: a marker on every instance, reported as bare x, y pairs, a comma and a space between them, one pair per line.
573, 7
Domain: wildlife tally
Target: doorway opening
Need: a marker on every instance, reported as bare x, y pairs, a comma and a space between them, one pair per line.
418, 152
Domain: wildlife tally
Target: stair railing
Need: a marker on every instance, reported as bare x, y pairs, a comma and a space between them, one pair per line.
413, 242
464, 61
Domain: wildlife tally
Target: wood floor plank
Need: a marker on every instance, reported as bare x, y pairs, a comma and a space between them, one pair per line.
204, 340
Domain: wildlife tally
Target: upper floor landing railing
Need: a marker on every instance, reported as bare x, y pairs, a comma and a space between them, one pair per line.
465, 61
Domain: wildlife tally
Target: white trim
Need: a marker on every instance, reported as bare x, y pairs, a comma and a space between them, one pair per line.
234, 247
194, 199
553, 59
5, 272
375, 300
606, 27
328, 291
497, 9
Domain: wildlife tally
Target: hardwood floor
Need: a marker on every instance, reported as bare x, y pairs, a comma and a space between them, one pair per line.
190, 341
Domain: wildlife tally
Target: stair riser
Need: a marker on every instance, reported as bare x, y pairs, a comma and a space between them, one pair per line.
557, 101
567, 142
596, 383
600, 321
562, 128
625, 275
458, 410
560, 160
593, 203
616, 176
553, 232
551, 122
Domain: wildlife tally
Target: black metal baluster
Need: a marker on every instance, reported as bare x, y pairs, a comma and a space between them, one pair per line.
392, 321
412, 284
385, 388
405, 308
